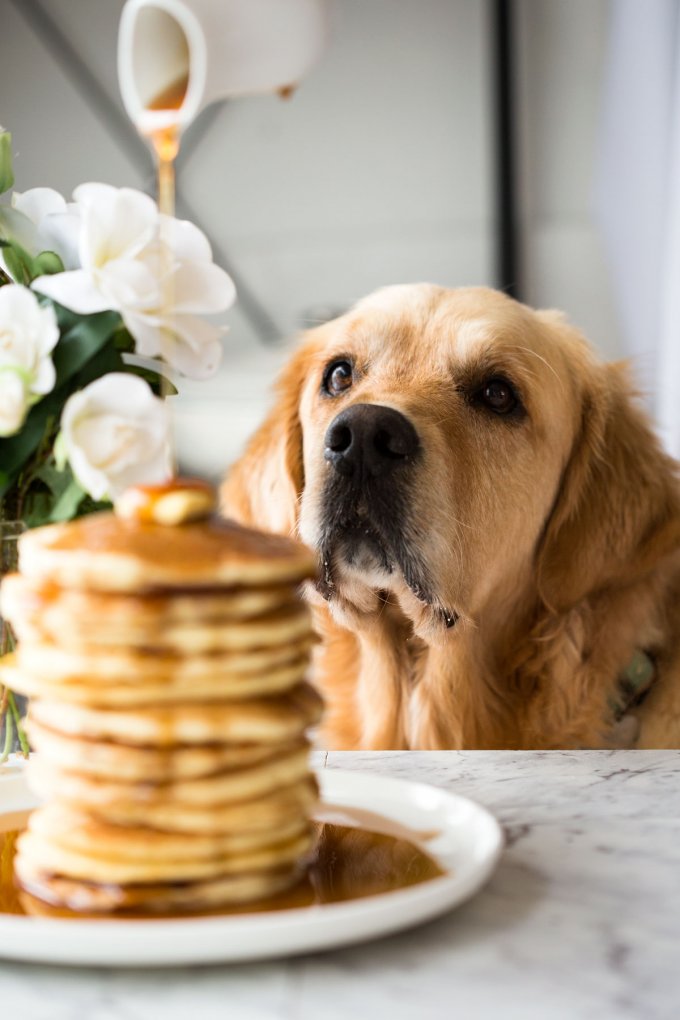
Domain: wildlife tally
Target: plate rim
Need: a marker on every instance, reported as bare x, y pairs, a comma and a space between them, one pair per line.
388, 912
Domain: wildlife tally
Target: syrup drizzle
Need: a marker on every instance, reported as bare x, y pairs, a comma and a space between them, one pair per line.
165, 142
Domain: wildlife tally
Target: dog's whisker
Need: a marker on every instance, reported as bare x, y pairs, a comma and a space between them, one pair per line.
539, 357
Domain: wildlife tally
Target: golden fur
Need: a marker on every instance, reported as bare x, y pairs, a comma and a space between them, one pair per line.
556, 539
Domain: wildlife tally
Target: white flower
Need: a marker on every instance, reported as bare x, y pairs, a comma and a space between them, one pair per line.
28, 334
13, 402
156, 271
56, 222
116, 433
41, 220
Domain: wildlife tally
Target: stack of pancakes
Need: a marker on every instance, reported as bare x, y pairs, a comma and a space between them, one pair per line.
165, 667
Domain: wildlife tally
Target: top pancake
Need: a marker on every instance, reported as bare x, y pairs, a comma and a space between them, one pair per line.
103, 552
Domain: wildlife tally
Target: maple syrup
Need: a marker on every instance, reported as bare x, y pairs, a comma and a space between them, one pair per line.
349, 863
172, 97
165, 141
10, 902
173, 502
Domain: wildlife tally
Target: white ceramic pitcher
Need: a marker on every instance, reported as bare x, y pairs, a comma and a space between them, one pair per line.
226, 47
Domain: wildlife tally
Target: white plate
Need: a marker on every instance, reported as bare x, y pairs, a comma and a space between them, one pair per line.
462, 837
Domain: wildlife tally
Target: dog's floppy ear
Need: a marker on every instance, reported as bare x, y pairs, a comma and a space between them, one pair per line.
263, 487
616, 513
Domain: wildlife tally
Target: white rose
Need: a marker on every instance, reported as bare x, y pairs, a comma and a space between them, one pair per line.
56, 222
156, 271
28, 334
41, 220
13, 402
115, 433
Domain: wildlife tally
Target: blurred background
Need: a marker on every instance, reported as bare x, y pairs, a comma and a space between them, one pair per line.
520, 143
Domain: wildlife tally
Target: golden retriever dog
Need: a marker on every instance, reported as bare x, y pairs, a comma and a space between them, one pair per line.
498, 529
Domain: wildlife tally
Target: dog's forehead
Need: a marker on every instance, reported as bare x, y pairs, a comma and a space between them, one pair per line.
449, 328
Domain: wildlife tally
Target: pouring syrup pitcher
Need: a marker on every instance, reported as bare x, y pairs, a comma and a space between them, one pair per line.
177, 56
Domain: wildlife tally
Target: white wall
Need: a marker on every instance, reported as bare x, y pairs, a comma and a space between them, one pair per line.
377, 171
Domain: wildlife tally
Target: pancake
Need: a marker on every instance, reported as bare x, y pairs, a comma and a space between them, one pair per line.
45, 894
49, 856
126, 763
286, 623
227, 786
51, 611
102, 552
267, 811
130, 666
111, 695
164, 652
272, 720
73, 830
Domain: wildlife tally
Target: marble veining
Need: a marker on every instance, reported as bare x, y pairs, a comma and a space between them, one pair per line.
581, 921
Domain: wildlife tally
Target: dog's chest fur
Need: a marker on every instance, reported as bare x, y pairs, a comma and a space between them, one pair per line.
387, 689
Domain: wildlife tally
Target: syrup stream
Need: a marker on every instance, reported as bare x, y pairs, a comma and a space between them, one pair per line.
165, 142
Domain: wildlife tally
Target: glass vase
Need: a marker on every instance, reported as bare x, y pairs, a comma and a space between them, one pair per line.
12, 707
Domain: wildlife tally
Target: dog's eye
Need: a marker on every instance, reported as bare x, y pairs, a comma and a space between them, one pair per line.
499, 396
338, 377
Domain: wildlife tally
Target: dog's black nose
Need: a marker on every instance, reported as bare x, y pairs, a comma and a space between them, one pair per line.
371, 437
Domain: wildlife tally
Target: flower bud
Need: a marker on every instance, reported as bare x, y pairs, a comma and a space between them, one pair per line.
6, 172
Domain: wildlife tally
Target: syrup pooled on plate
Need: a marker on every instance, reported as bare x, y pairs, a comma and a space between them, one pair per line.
10, 895
348, 864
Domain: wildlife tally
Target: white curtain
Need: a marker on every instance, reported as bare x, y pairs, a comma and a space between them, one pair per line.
638, 195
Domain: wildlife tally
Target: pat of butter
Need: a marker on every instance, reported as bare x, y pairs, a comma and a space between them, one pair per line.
173, 503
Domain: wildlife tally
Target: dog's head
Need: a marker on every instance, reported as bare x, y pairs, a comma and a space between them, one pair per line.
441, 447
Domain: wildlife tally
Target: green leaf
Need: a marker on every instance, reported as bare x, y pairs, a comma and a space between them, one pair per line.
65, 317
105, 361
66, 507
160, 384
19, 268
47, 263
60, 452
16, 450
6, 171
55, 478
36, 508
91, 506
123, 339
83, 340
24, 267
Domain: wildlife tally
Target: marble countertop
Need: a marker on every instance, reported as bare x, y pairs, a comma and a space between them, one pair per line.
581, 921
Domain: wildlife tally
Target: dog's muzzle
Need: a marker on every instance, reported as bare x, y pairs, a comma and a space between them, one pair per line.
366, 508
370, 440
367, 501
